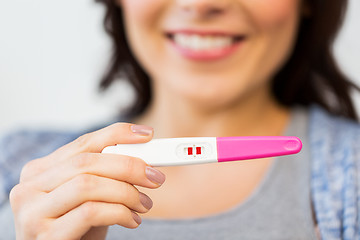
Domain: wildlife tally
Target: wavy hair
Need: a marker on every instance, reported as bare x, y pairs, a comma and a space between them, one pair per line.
310, 76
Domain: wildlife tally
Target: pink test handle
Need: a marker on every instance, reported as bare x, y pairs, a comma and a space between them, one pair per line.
241, 148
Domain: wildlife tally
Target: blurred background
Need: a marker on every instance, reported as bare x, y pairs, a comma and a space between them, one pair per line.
53, 53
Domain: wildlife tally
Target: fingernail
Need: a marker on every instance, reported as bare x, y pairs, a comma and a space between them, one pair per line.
155, 175
142, 130
136, 218
145, 201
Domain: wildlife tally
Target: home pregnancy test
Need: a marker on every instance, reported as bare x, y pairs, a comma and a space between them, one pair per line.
185, 151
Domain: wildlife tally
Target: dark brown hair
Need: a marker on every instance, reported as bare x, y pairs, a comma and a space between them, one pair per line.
310, 76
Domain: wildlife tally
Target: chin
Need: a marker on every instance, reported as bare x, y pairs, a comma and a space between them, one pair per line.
213, 100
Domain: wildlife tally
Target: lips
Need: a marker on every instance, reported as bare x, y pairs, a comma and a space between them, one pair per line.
204, 46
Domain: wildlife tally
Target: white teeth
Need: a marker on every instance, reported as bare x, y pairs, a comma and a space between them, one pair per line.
200, 43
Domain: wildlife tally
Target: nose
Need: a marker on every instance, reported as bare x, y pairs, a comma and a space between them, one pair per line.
203, 8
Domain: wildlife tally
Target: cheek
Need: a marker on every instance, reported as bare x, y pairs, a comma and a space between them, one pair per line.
134, 12
274, 24
142, 19
272, 13
140, 13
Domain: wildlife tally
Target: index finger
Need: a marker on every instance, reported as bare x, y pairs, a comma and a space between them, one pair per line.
93, 142
118, 133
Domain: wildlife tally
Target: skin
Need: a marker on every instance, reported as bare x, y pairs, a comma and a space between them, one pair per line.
75, 189
234, 99
77, 185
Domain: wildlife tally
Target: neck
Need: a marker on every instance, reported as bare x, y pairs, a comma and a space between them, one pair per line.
257, 114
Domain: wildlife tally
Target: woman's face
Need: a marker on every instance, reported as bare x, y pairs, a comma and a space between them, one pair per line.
211, 51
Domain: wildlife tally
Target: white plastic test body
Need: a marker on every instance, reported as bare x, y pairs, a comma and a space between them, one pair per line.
185, 151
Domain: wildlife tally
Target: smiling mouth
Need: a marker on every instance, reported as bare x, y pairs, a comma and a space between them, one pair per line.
204, 42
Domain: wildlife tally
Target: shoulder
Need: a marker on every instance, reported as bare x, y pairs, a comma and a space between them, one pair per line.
322, 122
17, 148
334, 140
28, 144
335, 153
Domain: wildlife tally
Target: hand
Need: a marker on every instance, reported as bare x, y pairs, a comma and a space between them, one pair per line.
76, 192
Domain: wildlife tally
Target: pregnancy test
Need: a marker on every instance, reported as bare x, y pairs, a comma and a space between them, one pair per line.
197, 150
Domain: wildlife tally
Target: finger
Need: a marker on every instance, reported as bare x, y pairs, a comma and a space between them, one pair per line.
117, 133
118, 167
74, 224
85, 188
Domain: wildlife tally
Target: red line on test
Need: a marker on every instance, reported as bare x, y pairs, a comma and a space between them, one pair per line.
190, 151
198, 150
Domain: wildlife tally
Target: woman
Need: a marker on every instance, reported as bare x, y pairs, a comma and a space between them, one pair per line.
206, 68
